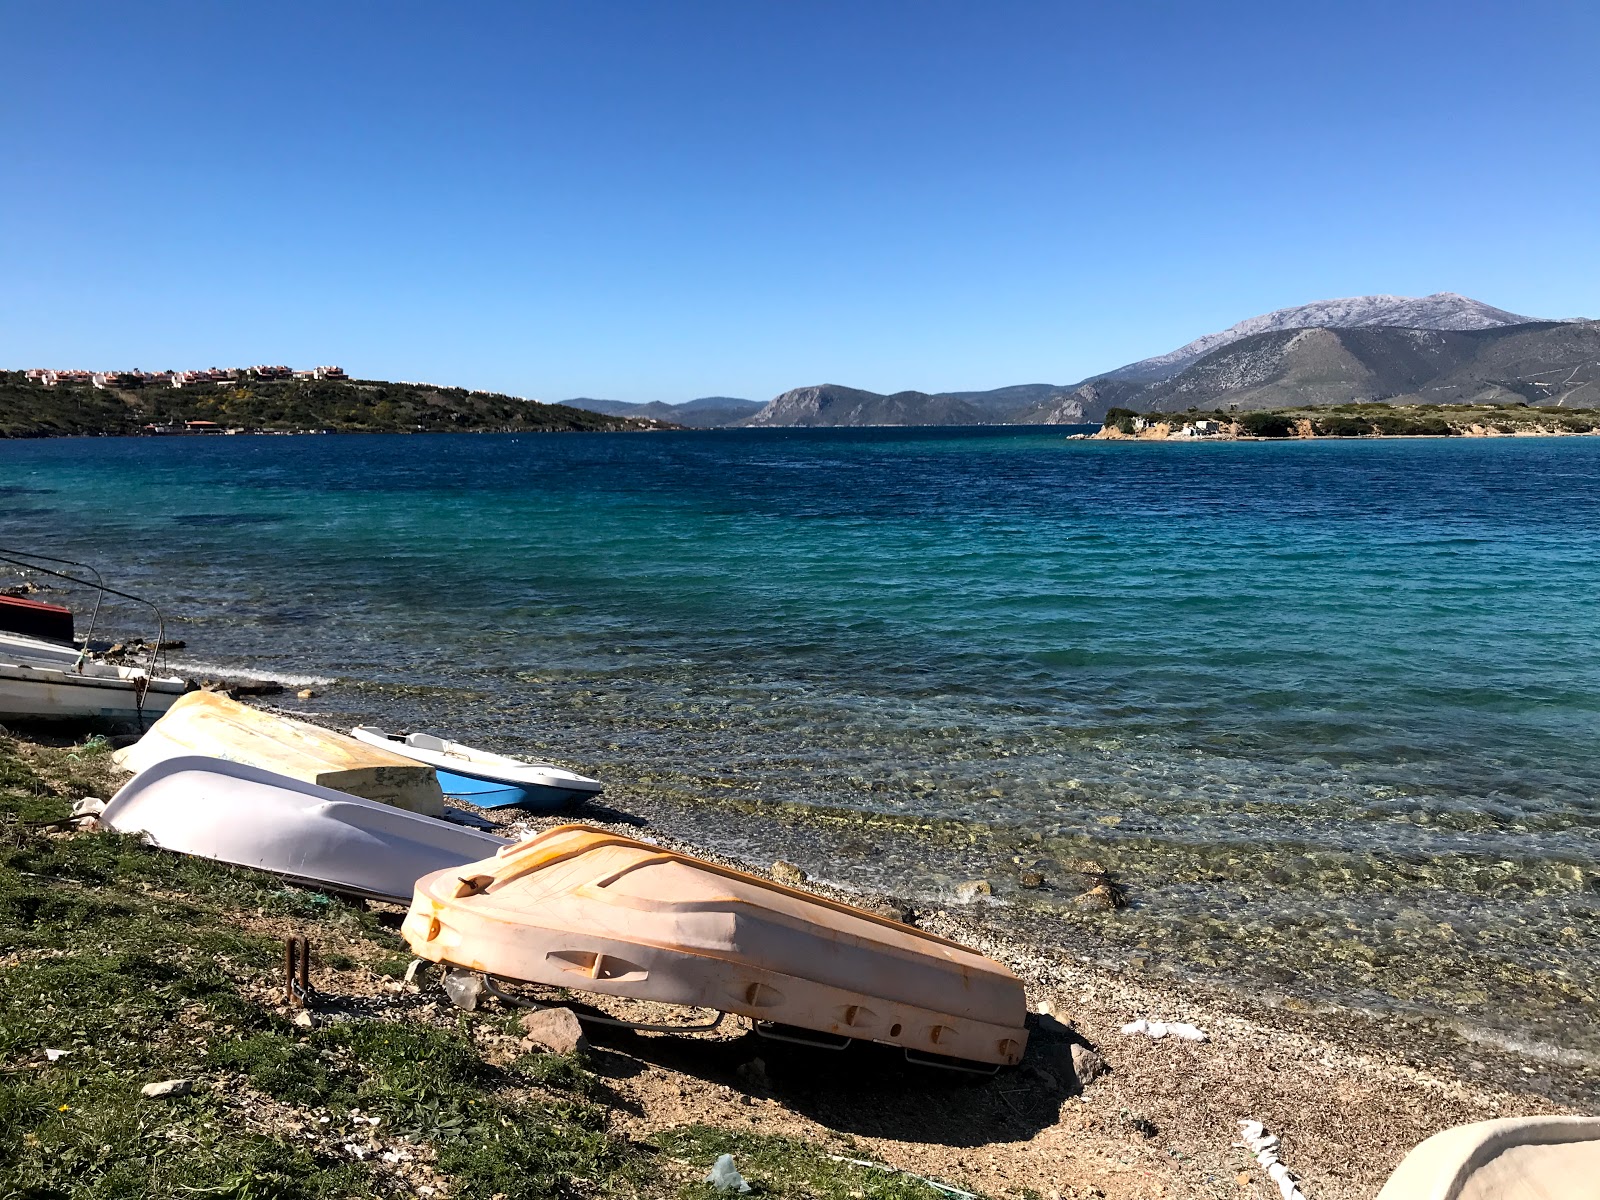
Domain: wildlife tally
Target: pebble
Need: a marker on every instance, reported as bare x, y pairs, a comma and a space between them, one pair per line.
167, 1087
1030, 879
1086, 1064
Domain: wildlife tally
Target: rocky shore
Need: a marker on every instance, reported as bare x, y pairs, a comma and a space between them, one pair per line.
1094, 1112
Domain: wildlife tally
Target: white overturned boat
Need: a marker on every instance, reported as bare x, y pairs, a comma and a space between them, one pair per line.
238, 814
485, 779
43, 681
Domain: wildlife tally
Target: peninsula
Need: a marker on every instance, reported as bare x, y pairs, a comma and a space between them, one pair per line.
274, 400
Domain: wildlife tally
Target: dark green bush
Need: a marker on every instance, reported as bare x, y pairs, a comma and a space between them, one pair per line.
1266, 425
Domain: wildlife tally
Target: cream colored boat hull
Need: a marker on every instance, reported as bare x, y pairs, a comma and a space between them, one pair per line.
577, 907
211, 725
1527, 1158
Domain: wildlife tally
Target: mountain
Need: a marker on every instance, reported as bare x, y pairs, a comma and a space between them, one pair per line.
1537, 363
832, 405
708, 412
1442, 310
1360, 347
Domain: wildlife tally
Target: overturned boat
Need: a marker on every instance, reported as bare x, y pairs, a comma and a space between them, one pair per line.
578, 907
485, 779
233, 813
211, 725
1519, 1158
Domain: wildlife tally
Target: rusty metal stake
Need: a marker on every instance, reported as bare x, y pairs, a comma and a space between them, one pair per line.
297, 971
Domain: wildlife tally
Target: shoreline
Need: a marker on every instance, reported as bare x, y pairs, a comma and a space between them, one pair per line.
1350, 1093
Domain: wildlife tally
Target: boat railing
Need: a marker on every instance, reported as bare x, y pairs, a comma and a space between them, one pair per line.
29, 561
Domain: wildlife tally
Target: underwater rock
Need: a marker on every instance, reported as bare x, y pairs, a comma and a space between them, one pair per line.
969, 891
788, 873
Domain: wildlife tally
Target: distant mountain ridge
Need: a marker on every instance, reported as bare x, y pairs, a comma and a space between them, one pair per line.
708, 412
1329, 352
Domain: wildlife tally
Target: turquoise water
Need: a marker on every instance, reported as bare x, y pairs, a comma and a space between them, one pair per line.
1326, 709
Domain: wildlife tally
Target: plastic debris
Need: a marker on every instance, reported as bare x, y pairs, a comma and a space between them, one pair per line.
725, 1176
1253, 1136
89, 806
52, 1055
943, 1188
167, 1087
1161, 1029
465, 989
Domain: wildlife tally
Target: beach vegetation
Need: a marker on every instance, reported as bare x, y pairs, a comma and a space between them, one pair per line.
132, 965
1267, 424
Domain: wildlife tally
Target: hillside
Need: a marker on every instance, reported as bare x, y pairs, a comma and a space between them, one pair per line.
1555, 363
1442, 310
30, 409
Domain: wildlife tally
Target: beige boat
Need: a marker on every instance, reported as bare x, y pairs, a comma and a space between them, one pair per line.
578, 907
212, 726
1523, 1158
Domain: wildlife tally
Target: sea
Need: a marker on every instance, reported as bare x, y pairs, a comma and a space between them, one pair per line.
1324, 712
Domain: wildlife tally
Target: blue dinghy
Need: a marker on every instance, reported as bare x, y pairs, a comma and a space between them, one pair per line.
483, 779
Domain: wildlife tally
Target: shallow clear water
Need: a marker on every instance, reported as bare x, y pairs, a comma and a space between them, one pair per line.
1327, 709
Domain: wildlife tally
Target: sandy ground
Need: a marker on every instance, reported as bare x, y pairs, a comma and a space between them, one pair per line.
1348, 1099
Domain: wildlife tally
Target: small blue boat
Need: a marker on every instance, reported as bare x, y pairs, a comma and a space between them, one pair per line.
483, 779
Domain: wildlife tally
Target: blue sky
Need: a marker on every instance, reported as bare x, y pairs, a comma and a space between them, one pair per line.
662, 201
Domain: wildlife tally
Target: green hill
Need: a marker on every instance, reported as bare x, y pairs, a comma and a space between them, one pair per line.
29, 409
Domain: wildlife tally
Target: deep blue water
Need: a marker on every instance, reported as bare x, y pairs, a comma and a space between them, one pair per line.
1328, 708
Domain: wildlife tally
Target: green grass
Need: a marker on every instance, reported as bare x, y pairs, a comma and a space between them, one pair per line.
778, 1166
135, 963
146, 966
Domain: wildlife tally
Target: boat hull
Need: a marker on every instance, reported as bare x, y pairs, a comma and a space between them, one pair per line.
583, 908
212, 725
233, 813
47, 693
484, 779
490, 793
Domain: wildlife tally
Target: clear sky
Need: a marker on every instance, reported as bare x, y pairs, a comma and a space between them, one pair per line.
667, 200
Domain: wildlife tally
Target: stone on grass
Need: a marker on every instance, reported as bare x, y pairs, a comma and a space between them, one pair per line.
167, 1087
555, 1029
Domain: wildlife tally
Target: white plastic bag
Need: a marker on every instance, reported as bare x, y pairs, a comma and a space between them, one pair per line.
725, 1176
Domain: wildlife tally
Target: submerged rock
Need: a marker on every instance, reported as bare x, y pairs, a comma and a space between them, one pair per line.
969, 891
1030, 879
788, 873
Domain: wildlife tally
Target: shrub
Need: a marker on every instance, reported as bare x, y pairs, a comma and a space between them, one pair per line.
1266, 425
